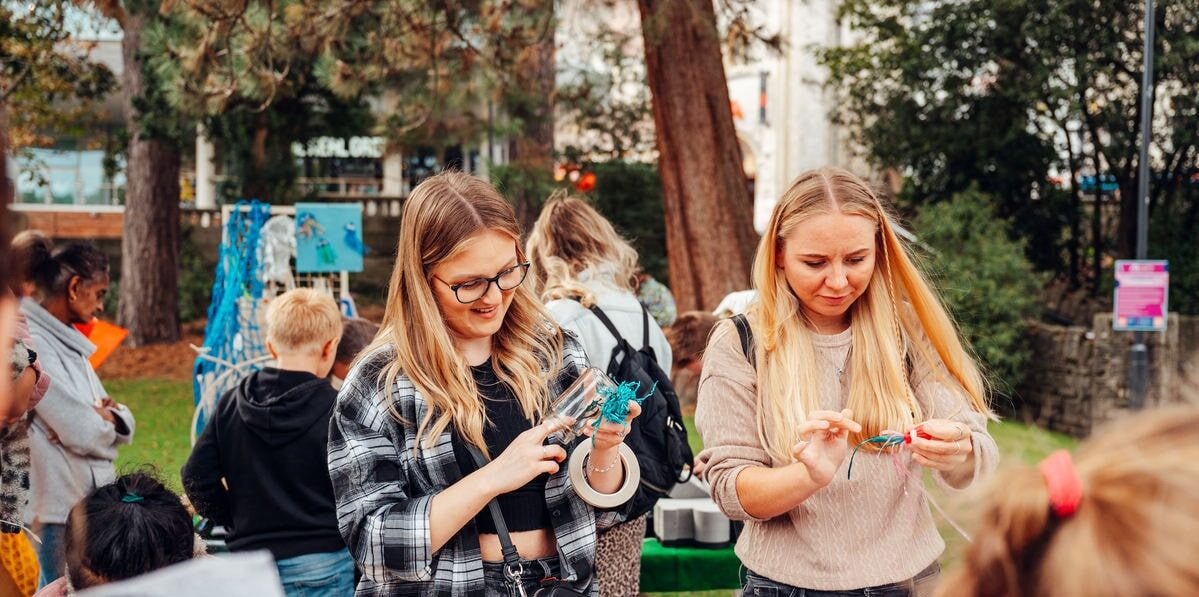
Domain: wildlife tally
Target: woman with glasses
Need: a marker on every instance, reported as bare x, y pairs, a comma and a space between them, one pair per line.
845, 341
580, 262
466, 358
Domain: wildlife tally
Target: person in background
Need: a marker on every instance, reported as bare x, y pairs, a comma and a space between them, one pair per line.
121, 530
259, 468
735, 303
1119, 519
30, 385
28, 247
356, 334
579, 261
688, 337
77, 427
657, 298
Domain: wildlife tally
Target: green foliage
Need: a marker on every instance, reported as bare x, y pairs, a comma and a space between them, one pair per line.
256, 144
196, 278
1000, 94
1172, 236
629, 194
525, 188
986, 281
431, 65
112, 298
48, 83
607, 110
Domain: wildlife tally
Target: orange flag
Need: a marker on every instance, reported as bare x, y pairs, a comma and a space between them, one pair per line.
106, 336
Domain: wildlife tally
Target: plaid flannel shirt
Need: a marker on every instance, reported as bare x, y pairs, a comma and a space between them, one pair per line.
384, 492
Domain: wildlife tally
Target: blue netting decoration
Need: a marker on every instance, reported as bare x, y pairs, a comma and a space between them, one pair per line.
233, 344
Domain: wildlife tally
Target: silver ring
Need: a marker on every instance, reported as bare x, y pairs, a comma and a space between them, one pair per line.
957, 447
543, 453
961, 434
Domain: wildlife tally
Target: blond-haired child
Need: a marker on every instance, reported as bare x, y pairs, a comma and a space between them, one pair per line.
259, 466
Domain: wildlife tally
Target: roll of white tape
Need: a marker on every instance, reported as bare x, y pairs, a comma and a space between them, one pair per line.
578, 477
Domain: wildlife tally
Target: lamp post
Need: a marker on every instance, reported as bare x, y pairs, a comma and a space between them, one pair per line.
1138, 358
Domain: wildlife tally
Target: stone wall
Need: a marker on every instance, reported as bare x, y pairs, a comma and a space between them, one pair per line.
1079, 375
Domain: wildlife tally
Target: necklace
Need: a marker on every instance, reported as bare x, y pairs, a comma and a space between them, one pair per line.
840, 369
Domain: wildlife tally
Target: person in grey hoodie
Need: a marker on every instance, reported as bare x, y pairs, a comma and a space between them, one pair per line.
76, 427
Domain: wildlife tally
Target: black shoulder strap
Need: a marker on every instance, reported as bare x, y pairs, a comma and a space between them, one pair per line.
746, 334
511, 556
603, 317
644, 325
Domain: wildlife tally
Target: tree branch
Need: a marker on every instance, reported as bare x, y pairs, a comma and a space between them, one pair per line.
111, 9
17, 82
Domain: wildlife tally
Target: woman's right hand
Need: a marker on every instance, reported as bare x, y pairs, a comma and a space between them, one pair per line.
824, 443
525, 458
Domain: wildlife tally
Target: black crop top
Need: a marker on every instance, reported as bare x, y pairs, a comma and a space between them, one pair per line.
524, 509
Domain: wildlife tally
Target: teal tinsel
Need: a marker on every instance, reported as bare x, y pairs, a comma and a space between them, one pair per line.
889, 440
616, 401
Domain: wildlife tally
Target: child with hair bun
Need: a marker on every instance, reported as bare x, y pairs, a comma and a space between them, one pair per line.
1120, 519
127, 528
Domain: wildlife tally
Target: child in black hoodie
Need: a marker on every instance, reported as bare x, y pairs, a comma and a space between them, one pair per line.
259, 468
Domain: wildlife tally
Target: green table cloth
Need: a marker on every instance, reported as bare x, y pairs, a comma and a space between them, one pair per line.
672, 569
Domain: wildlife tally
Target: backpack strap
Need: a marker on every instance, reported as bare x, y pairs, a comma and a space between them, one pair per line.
746, 334
644, 324
603, 317
622, 345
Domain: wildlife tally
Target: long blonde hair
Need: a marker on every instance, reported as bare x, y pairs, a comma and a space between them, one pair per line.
1136, 530
569, 237
879, 391
440, 215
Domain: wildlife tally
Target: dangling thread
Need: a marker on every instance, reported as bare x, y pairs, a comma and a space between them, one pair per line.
890, 440
28, 531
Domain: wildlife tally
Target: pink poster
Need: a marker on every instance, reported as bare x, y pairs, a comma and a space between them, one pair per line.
1142, 295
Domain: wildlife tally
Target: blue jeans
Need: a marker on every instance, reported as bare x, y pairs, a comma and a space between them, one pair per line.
49, 553
920, 585
328, 574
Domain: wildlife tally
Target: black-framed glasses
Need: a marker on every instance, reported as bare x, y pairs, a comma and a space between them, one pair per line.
472, 290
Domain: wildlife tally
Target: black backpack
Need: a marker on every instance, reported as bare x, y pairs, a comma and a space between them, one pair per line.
657, 436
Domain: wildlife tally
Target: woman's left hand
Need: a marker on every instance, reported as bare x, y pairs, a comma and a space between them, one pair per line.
609, 435
951, 445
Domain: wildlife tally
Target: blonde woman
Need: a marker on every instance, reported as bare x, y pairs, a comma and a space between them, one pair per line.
847, 340
579, 262
466, 357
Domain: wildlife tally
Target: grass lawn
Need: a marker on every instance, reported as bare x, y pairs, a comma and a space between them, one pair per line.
164, 409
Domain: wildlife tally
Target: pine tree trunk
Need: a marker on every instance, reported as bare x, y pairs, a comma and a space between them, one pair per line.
150, 243
710, 239
532, 150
